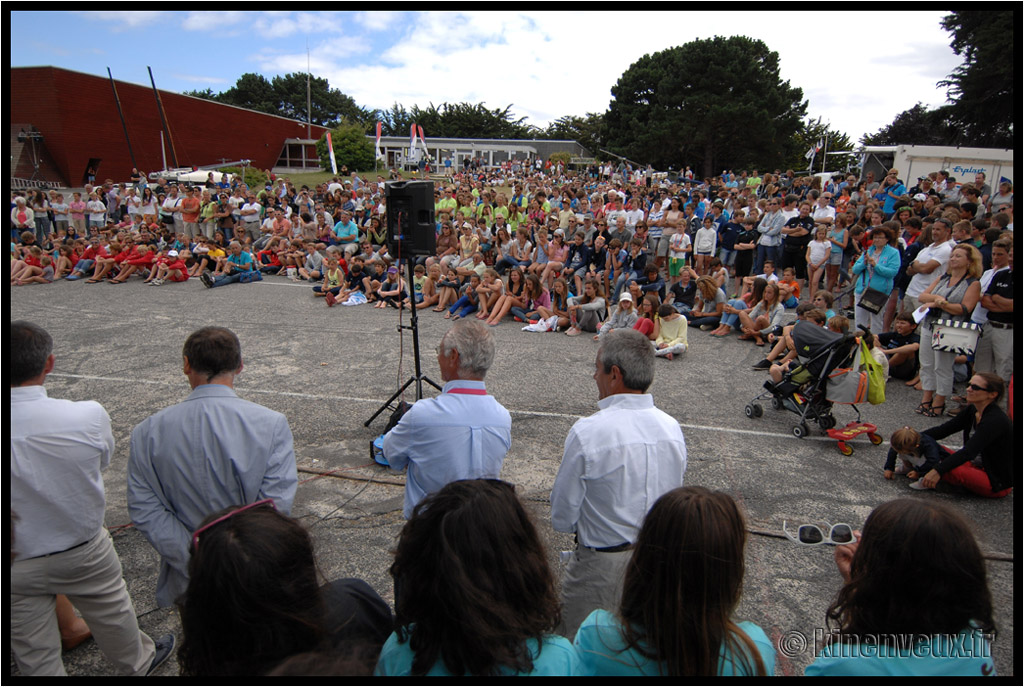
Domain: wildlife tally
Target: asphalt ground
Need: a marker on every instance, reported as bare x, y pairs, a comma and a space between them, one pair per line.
329, 369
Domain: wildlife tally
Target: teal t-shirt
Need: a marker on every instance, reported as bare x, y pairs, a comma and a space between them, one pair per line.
966, 655
603, 650
556, 656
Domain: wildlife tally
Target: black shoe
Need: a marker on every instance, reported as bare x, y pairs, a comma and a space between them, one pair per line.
164, 649
763, 364
206, 279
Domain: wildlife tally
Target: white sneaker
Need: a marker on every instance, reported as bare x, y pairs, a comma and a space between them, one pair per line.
917, 485
901, 469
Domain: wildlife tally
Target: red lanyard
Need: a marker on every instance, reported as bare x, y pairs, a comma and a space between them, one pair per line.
471, 392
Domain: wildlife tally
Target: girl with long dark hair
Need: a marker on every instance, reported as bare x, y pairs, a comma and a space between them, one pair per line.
681, 589
473, 591
881, 628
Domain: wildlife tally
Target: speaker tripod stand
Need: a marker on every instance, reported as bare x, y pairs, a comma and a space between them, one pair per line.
419, 377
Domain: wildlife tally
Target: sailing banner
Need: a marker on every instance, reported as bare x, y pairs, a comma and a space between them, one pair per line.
330, 151
379, 153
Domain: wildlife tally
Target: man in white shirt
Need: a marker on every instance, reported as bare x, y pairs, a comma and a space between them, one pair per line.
616, 464
929, 265
824, 214
58, 450
250, 215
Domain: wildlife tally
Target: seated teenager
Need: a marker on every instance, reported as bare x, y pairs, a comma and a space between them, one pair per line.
559, 306
941, 628
901, 346
757, 323
681, 590
255, 598
474, 594
586, 311
512, 298
710, 305
683, 292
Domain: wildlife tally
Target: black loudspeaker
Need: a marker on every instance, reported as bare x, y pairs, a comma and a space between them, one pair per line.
410, 215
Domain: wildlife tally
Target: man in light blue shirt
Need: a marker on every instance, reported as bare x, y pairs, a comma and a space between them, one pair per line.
209, 452
346, 234
464, 433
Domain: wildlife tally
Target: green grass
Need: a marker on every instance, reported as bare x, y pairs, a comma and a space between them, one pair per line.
313, 178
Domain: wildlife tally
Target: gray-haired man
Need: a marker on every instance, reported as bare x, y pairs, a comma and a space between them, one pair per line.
616, 464
464, 433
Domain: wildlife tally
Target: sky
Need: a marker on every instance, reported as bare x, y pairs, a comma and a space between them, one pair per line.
858, 70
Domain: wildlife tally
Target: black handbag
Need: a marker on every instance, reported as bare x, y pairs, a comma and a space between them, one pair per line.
871, 299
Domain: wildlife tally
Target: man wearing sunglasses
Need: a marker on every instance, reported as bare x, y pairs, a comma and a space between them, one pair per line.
58, 451
211, 451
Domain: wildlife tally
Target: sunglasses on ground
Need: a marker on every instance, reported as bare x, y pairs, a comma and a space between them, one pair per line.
812, 535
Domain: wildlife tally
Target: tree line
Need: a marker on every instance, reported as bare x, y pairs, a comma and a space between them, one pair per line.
713, 104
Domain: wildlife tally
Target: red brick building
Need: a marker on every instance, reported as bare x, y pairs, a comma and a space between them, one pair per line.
76, 115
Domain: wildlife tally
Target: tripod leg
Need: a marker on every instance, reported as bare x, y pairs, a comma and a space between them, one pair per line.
387, 403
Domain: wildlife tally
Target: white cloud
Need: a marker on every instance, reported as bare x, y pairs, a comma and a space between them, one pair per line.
121, 20
377, 21
267, 25
553, 64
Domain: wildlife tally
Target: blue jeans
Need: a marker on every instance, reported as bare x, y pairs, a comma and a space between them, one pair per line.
765, 253
621, 281
682, 308
701, 321
507, 262
524, 315
225, 279
731, 319
728, 257
462, 307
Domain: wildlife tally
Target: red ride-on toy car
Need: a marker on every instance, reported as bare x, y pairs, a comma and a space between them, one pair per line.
854, 429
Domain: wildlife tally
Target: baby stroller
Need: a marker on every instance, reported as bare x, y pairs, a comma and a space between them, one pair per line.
821, 376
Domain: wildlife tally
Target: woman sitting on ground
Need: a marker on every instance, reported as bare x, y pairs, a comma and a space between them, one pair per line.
512, 298
942, 628
730, 311
429, 289
987, 436
758, 323
536, 297
709, 306
559, 304
647, 316
586, 311
681, 589
254, 598
473, 591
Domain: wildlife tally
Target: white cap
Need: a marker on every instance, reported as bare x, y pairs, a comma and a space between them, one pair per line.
172, 253
626, 296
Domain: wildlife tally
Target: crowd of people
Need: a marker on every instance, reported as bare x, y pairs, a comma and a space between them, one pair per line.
631, 262
652, 587
586, 252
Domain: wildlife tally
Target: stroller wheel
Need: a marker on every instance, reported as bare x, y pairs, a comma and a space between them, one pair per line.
753, 410
776, 403
800, 431
826, 422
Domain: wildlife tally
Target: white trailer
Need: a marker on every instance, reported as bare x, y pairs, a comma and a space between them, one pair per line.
915, 162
